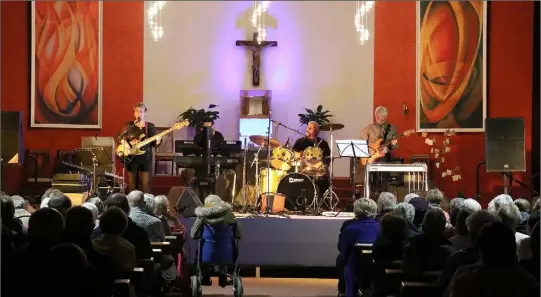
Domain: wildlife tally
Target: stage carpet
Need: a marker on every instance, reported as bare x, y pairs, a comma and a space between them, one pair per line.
309, 241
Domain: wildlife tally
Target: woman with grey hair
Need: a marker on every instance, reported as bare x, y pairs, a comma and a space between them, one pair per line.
454, 206
510, 216
149, 204
407, 211
494, 204
386, 203
163, 212
471, 205
99, 204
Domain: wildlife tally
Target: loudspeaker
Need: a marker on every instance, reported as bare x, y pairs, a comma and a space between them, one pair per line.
12, 137
505, 149
185, 200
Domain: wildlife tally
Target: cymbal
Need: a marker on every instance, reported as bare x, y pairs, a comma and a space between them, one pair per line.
262, 141
329, 127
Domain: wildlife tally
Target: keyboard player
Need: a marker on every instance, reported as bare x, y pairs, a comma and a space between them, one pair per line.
199, 173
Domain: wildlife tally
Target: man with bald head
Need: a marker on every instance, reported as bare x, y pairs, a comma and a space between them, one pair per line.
151, 224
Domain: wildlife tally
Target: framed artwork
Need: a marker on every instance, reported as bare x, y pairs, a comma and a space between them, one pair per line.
66, 64
451, 66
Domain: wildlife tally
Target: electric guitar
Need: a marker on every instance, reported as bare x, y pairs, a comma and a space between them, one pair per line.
126, 150
379, 145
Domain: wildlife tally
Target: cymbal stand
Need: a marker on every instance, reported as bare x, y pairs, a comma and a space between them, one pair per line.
269, 207
256, 162
330, 196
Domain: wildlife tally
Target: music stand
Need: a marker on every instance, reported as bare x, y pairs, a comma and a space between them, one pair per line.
94, 156
354, 148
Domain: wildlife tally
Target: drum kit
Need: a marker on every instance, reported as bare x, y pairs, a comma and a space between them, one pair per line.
290, 177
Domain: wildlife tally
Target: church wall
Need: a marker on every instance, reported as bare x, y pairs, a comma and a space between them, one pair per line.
319, 60
122, 75
510, 59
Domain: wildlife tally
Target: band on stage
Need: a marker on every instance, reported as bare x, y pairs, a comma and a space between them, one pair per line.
299, 176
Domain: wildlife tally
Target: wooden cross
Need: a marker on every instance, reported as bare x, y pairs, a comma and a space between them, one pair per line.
256, 47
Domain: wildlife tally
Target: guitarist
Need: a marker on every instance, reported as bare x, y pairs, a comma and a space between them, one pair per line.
373, 132
140, 164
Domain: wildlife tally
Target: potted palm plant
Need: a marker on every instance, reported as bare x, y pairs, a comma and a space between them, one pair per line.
197, 117
319, 116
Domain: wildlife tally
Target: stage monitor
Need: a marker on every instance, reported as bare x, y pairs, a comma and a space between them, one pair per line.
505, 145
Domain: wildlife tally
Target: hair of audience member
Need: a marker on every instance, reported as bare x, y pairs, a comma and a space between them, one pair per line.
7, 207
434, 197
534, 242
386, 202
118, 200
475, 222
60, 202
523, 205
79, 222
45, 203
461, 227
532, 220
50, 193
212, 200
410, 196
498, 201
161, 205
454, 207
113, 221
46, 224
471, 205
149, 203
434, 223
406, 210
18, 201
365, 208
93, 209
98, 203
497, 244
509, 215
394, 227
136, 199
536, 203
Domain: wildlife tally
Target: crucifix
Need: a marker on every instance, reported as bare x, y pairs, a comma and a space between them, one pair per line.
256, 47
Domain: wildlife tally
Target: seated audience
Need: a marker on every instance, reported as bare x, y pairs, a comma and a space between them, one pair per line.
386, 203
536, 204
434, 198
136, 235
93, 209
151, 224
164, 213
510, 216
47, 196
471, 205
498, 274
388, 247
532, 264
407, 211
524, 251
498, 201
15, 226
22, 209
68, 263
60, 202
421, 207
427, 251
149, 204
410, 196
454, 206
79, 227
461, 239
469, 255
110, 243
525, 208
99, 204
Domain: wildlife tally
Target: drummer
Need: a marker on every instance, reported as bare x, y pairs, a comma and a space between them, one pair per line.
311, 139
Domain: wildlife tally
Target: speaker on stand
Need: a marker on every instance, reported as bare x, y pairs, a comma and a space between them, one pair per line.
505, 148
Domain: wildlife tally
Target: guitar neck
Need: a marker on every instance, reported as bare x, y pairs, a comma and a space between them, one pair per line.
151, 139
386, 143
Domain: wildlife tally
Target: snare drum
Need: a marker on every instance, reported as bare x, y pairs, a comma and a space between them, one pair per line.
312, 154
272, 186
298, 189
281, 158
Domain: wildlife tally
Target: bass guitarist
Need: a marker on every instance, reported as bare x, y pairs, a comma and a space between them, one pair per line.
139, 165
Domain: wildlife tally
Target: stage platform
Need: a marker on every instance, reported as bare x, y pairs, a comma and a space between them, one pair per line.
299, 240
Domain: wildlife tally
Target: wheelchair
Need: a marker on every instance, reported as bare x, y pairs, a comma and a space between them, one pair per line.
217, 246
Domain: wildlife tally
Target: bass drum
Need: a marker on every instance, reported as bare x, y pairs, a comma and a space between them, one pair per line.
299, 190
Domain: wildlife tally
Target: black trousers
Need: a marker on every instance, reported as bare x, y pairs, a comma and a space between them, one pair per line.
138, 174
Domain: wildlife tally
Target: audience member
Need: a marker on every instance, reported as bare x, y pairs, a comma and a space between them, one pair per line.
434, 198
510, 216
469, 255
498, 274
427, 251
410, 196
498, 201
407, 211
135, 234
151, 224
10, 222
99, 204
21, 209
386, 203
532, 263
461, 239
454, 206
163, 212
149, 204
60, 202
110, 243
524, 251
364, 229
471, 205
421, 207
525, 208
93, 209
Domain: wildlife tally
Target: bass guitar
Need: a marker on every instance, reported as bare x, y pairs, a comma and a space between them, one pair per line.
126, 150
379, 145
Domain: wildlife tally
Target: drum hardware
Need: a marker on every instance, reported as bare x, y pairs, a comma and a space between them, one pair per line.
330, 196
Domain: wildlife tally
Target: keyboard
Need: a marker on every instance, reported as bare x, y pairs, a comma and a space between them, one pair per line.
382, 167
197, 161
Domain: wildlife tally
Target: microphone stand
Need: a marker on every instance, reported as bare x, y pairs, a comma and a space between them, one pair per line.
290, 129
267, 197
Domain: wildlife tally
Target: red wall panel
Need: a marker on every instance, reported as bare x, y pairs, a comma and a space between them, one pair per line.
509, 64
122, 72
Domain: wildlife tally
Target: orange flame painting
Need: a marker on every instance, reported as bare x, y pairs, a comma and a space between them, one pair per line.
66, 64
451, 66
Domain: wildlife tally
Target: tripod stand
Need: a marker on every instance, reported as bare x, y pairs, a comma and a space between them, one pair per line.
330, 199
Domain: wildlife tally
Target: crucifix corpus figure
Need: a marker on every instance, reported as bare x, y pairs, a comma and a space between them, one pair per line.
256, 47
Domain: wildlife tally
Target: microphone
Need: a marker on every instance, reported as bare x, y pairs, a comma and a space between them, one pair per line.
137, 120
287, 143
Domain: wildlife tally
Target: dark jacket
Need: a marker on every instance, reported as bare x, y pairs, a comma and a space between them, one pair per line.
425, 253
137, 236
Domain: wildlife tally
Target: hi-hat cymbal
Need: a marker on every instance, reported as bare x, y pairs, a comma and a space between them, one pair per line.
329, 127
262, 141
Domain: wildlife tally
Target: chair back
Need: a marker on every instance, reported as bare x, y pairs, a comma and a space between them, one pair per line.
218, 244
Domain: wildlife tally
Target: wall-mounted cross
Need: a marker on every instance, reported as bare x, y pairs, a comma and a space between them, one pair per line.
256, 47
